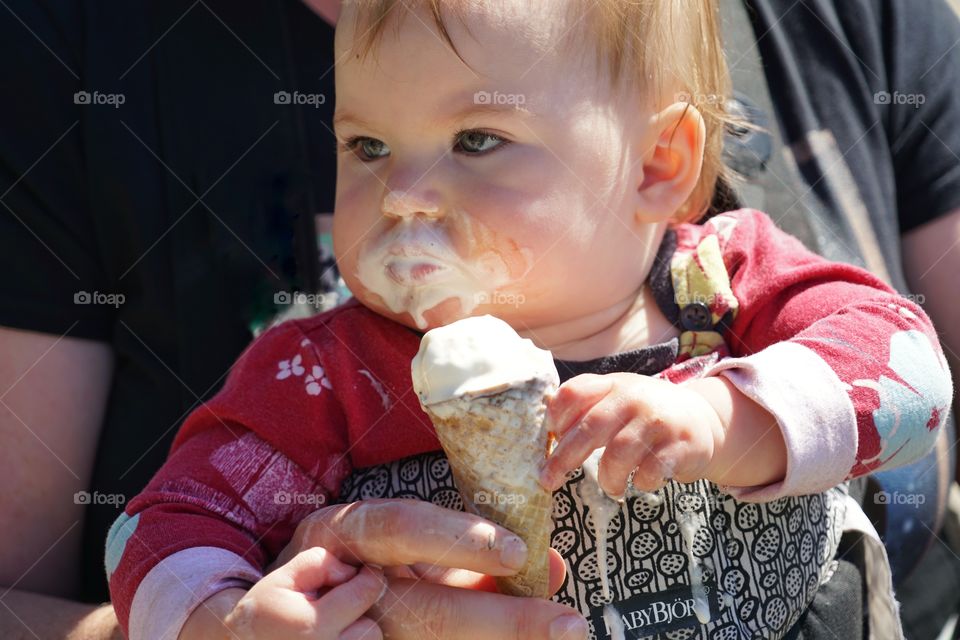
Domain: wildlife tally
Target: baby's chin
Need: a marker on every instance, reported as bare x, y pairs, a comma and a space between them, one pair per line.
450, 310
444, 313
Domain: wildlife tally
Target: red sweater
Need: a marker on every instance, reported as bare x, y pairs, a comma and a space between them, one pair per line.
853, 372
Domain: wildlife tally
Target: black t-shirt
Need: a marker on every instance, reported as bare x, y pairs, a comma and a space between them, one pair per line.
104, 199
867, 96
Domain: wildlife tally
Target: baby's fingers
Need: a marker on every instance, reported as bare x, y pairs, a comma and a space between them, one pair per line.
362, 629
343, 606
592, 432
678, 460
310, 570
629, 453
573, 399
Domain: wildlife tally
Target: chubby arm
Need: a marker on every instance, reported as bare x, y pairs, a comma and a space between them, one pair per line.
833, 376
852, 371
750, 450
226, 500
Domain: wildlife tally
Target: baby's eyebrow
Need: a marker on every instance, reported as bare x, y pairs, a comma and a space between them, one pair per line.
342, 117
485, 108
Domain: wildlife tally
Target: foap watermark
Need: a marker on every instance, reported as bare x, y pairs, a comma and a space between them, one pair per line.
700, 98
85, 497
297, 498
917, 298
499, 298
87, 97
99, 298
913, 99
296, 97
898, 497
495, 97
699, 298
497, 498
298, 297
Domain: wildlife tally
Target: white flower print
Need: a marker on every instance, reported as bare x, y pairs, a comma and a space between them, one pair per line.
290, 367
316, 380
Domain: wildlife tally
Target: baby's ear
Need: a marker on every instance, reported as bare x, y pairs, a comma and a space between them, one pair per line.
672, 152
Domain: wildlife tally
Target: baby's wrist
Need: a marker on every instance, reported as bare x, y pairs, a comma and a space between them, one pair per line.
712, 396
749, 449
209, 619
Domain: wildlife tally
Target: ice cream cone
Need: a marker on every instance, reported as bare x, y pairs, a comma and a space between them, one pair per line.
485, 389
495, 441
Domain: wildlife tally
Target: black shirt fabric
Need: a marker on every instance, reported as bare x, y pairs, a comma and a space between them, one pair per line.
98, 199
846, 77
104, 200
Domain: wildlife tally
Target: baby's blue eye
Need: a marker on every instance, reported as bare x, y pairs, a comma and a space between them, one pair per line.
477, 142
368, 149
374, 148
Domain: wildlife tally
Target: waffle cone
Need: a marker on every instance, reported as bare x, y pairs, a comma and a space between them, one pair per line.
495, 443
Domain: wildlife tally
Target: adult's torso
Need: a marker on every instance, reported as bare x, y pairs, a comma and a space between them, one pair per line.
204, 189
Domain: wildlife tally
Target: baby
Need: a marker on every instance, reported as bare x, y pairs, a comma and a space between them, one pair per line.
545, 162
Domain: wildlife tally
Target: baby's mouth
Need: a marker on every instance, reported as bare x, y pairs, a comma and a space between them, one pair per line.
416, 270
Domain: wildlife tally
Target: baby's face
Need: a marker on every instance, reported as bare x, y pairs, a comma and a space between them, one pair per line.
506, 187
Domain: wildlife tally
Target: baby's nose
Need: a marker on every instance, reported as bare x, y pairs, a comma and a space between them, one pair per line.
404, 204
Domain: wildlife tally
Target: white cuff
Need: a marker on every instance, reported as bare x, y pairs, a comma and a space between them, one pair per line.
814, 412
176, 586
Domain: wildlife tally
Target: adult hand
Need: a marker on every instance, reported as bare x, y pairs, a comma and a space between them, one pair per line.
439, 565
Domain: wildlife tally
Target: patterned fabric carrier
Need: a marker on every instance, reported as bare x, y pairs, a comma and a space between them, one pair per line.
760, 564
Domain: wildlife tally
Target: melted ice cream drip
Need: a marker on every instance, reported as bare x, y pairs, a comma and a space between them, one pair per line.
603, 508
652, 499
689, 524
611, 617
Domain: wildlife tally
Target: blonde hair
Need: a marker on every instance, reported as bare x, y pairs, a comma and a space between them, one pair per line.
671, 48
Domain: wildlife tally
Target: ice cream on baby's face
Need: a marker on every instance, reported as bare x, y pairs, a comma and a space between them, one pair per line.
476, 356
415, 266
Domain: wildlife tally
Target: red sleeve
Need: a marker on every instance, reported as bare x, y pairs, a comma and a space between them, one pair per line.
245, 468
852, 371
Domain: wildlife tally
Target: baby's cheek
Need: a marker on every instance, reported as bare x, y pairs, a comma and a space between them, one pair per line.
498, 243
346, 249
357, 209
507, 256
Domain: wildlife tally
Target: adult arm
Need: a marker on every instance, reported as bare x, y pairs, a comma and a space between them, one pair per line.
28, 616
53, 389
931, 262
53, 392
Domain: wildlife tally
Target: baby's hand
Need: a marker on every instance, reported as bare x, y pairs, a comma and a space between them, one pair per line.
664, 430
313, 595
